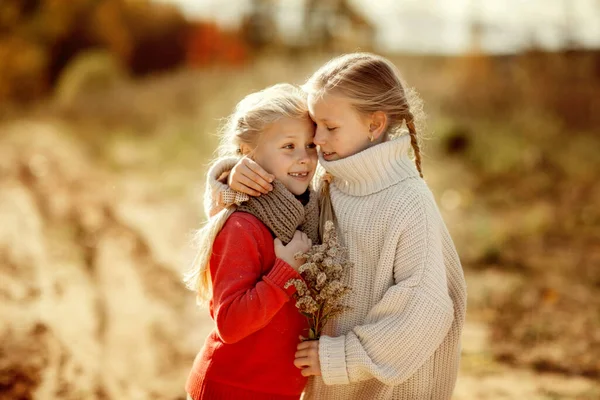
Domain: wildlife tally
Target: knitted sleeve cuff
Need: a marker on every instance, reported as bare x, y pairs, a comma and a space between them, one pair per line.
332, 356
229, 197
281, 273
218, 194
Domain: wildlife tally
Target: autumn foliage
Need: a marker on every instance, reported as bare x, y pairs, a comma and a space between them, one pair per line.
39, 38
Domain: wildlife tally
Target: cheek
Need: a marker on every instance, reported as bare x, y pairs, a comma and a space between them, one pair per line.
351, 143
342, 140
268, 161
279, 162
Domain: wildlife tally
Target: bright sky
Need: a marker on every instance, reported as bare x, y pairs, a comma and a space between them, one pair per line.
442, 26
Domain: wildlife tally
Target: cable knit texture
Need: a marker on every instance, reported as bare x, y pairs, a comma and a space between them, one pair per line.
281, 211
401, 339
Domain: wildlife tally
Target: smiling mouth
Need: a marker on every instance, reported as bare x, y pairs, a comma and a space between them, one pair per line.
327, 154
298, 174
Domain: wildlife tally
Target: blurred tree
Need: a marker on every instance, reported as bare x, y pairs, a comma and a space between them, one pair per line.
327, 25
258, 27
40, 38
336, 25
317, 24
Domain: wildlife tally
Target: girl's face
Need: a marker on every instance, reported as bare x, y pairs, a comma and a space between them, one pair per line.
341, 130
286, 150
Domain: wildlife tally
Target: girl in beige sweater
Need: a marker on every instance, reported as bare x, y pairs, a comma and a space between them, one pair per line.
401, 338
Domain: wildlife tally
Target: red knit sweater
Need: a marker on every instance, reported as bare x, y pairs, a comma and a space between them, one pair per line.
250, 354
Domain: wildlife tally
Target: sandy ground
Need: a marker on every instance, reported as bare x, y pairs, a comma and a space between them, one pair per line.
91, 257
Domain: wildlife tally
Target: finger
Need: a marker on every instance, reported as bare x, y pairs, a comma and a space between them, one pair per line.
244, 180
259, 180
258, 170
237, 181
313, 354
303, 362
308, 371
297, 235
301, 353
309, 344
244, 189
252, 170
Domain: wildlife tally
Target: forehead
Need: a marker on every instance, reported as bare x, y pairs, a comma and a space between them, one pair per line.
290, 128
328, 107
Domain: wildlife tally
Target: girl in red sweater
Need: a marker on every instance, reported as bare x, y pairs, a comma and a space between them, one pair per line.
246, 255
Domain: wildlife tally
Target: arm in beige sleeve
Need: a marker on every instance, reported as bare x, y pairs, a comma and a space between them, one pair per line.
403, 329
217, 194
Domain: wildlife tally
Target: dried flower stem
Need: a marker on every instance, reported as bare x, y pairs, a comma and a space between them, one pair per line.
318, 295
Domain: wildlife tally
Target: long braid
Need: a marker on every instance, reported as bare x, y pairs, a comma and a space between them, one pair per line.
325, 207
410, 124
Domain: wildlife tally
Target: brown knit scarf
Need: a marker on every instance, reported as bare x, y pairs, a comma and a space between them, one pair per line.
283, 213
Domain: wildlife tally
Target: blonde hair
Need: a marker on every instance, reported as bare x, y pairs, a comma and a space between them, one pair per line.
244, 126
372, 83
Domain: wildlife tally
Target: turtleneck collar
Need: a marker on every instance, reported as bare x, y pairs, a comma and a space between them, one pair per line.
373, 169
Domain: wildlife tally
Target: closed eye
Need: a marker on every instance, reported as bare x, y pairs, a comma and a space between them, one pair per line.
331, 129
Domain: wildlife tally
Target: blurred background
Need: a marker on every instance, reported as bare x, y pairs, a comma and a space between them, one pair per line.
108, 115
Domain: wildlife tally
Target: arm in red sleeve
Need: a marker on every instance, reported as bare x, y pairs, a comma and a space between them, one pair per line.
245, 300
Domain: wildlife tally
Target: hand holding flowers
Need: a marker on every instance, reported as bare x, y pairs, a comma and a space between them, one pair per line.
319, 293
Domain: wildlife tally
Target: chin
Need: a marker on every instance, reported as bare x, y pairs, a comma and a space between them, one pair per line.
333, 157
296, 189
299, 191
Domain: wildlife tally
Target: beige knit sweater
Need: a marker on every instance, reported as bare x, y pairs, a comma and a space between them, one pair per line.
401, 339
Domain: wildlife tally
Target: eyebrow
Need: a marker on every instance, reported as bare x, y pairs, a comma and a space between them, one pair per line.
289, 137
312, 116
321, 119
294, 138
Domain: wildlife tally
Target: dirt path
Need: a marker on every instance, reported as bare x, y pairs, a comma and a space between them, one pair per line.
96, 257
481, 377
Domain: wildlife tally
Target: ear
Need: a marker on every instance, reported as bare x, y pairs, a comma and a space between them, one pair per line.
378, 124
245, 149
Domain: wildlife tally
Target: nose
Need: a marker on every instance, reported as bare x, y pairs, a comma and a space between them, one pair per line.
320, 136
303, 157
